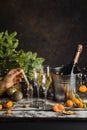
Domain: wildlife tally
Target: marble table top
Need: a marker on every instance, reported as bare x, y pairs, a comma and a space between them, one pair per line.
31, 112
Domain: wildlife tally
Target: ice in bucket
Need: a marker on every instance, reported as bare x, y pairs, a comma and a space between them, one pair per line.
64, 86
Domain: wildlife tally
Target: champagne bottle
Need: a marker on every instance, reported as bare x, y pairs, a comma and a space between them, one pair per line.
72, 67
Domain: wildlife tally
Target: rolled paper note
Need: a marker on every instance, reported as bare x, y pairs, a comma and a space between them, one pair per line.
25, 77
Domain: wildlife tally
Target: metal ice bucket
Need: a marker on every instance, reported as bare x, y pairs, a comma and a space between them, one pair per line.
64, 85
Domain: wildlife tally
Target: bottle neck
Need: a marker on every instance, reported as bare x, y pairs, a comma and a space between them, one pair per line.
76, 57
78, 52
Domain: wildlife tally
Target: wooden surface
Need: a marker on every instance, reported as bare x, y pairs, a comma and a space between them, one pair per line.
31, 113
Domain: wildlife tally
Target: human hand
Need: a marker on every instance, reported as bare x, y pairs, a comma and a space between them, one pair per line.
12, 77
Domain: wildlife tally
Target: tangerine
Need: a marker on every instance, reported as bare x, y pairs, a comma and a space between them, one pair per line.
1, 106
55, 108
8, 104
61, 107
58, 107
76, 101
82, 88
69, 103
80, 105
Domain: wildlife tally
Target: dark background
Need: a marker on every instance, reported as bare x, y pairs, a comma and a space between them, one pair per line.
53, 29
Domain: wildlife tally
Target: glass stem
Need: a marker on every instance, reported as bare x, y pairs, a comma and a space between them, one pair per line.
37, 100
45, 99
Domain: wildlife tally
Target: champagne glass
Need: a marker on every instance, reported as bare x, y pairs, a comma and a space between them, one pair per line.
37, 83
45, 82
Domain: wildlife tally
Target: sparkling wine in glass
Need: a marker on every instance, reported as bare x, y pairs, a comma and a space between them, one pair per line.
45, 82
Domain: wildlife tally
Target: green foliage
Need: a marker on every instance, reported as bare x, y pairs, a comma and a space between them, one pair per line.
11, 58
85, 104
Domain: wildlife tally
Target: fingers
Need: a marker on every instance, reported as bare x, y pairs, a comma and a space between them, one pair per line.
17, 76
13, 75
13, 71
